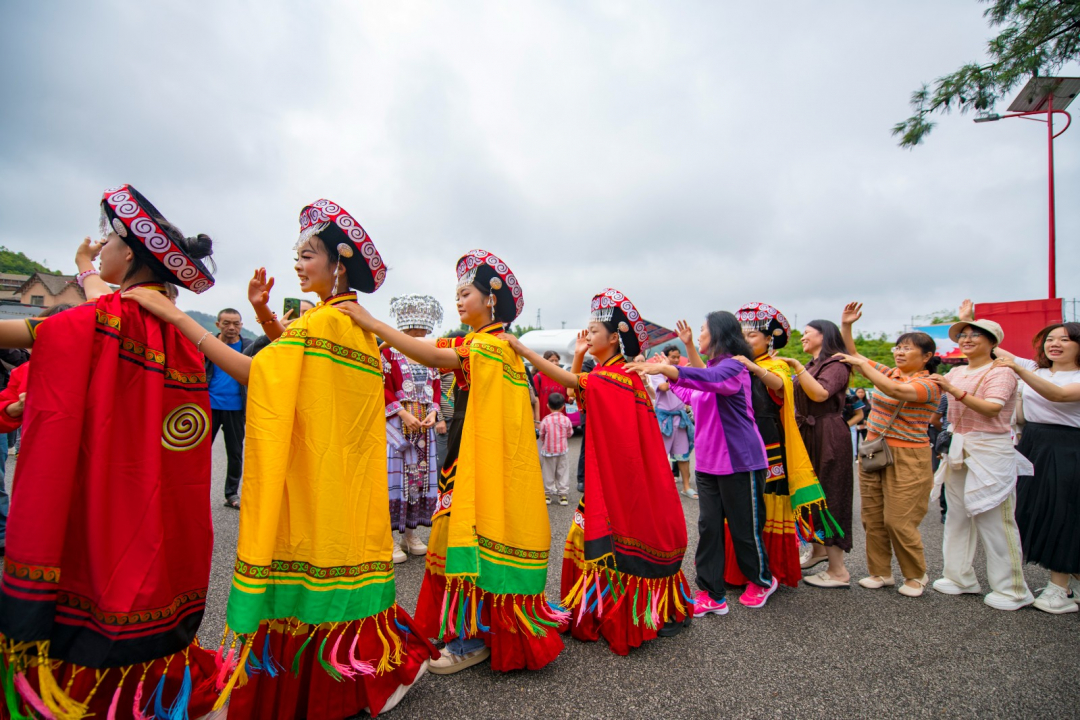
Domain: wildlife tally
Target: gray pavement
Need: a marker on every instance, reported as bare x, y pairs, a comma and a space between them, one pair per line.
809, 653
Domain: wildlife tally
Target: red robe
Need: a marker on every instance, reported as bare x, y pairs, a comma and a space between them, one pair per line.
110, 536
628, 538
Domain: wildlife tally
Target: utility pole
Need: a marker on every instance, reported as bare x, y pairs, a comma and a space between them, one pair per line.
539, 326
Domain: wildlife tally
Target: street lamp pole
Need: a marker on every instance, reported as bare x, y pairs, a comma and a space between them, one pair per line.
1039, 94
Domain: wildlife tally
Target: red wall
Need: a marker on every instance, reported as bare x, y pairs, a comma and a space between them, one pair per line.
1020, 320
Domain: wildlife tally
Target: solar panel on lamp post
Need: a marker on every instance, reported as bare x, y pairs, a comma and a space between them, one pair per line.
1044, 96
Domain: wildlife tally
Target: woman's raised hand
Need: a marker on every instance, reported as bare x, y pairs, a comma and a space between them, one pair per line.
359, 315
87, 254
156, 303
852, 313
686, 333
967, 310
259, 288
581, 343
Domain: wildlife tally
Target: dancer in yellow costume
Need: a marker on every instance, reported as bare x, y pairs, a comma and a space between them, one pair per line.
483, 588
318, 633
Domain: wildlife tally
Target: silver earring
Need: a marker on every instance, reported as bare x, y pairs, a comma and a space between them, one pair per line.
492, 306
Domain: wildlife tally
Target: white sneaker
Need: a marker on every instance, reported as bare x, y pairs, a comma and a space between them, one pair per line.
399, 556
1056, 601
1003, 602
947, 586
449, 663
413, 545
393, 701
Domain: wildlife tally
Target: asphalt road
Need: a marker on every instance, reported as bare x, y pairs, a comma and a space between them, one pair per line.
808, 653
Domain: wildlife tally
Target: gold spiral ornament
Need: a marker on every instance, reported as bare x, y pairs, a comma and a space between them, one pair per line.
184, 428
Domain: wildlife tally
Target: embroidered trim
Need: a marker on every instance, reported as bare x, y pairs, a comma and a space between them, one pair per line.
503, 549
104, 617
34, 573
300, 567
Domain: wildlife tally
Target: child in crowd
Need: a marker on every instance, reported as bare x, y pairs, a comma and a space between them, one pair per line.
555, 430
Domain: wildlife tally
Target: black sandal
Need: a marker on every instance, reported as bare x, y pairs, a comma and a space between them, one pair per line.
232, 503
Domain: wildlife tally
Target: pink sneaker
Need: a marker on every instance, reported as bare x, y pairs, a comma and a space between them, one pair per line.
755, 595
705, 605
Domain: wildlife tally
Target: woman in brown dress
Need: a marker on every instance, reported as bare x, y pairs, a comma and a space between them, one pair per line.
820, 394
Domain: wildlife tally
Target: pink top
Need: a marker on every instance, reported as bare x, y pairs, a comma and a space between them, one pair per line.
998, 387
555, 430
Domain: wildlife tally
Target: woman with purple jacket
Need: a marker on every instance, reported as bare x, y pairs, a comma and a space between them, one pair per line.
731, 460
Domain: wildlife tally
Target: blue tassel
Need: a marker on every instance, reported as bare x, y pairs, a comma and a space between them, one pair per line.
254, 667
268, 663
159, 709
556, 607
479, 614
682, 591
179, 709
404, 631
461, 622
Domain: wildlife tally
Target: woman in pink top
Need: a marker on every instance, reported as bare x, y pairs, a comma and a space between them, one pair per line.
980, 472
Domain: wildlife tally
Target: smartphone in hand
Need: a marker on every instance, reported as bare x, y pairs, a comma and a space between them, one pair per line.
291, 304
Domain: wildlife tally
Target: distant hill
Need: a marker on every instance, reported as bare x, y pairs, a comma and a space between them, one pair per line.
207, 321
19, 264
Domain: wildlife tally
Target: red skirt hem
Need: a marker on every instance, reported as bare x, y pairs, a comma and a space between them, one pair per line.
631, 611
522, 631
302, 686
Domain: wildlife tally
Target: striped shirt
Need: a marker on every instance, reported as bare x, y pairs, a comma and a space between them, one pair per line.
555, 429
909, 429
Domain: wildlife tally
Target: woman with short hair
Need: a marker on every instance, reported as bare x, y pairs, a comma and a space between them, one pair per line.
980, 472
894, 498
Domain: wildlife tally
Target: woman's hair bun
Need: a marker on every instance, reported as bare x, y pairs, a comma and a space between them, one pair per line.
199, 246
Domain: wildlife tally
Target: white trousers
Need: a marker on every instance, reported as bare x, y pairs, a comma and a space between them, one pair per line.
1000, 537
556, 471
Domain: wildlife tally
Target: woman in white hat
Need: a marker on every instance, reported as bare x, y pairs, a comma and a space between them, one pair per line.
980, 472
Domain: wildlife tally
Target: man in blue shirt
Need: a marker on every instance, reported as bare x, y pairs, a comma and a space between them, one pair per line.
228, 399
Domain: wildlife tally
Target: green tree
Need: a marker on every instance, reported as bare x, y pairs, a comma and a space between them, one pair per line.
1037, 38
877, 348
18, 264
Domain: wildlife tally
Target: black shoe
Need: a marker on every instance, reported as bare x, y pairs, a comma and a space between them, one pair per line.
581, 487
672, 628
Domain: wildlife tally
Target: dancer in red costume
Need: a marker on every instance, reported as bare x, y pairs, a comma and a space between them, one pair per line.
622, 565
110, 537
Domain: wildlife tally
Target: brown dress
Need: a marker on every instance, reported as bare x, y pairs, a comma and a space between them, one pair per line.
828, 442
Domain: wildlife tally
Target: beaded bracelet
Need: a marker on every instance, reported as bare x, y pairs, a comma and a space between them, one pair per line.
273, 318
85, 274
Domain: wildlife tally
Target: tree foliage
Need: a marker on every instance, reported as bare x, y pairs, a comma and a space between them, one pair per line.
18, 264
877, 348
1037, 38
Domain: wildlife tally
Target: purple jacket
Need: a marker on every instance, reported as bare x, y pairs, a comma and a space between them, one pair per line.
726, 435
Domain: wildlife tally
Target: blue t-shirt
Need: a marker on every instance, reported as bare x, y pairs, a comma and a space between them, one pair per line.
224, 391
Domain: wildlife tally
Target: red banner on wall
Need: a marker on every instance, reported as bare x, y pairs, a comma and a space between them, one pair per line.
1020, 320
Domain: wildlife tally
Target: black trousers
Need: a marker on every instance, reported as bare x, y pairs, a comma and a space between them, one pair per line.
232, 422
740, 499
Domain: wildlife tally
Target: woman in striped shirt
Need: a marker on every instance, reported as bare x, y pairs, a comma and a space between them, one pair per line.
894, 499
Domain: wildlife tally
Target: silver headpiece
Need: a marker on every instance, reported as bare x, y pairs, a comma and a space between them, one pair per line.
416, 311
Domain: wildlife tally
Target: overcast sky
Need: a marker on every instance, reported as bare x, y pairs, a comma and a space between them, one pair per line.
695, 155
